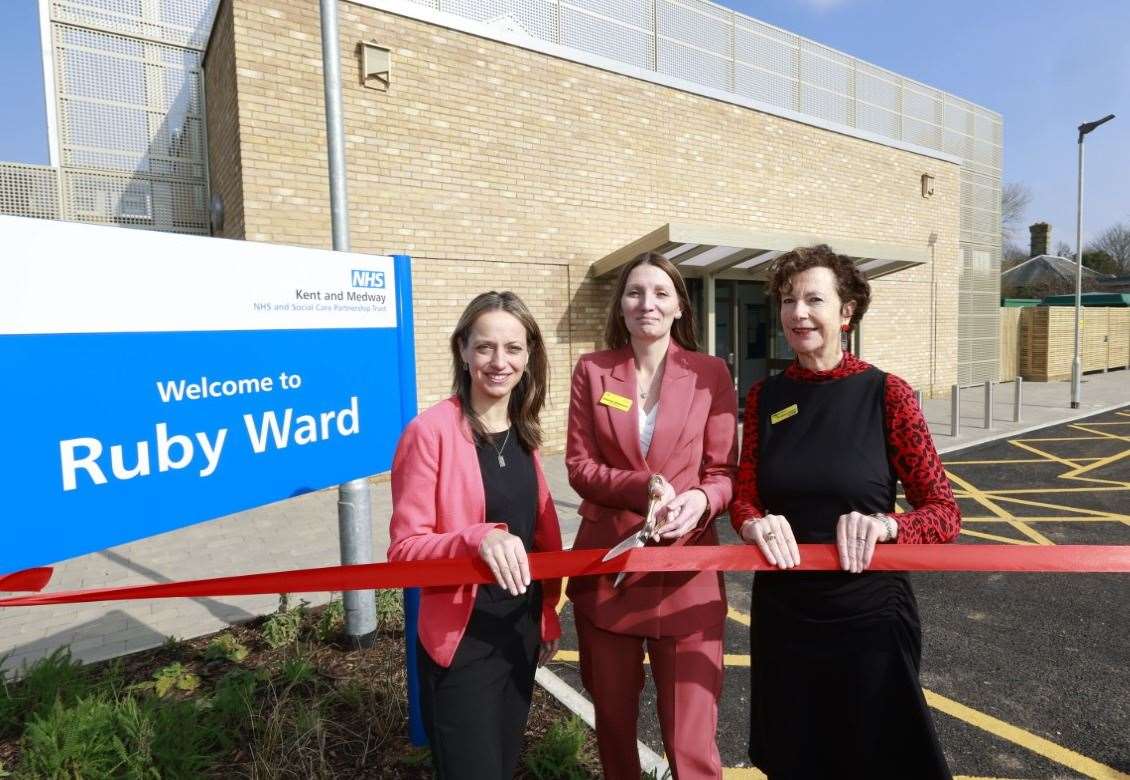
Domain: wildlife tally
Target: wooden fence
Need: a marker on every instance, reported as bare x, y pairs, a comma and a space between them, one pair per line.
1038, 342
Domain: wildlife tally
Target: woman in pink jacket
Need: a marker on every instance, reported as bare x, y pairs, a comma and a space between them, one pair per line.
467, 482
652, 404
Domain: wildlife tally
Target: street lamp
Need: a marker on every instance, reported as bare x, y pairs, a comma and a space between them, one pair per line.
1076, 363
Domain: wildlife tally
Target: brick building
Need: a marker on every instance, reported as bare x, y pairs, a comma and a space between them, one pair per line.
537, 144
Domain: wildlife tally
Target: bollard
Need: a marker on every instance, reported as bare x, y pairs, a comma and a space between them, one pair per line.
988, 404
918, 396
955, 410
1016, 400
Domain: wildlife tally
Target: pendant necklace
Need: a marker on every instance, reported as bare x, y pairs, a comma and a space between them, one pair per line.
498, 450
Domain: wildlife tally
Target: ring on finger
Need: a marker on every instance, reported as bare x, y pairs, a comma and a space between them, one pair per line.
770, 536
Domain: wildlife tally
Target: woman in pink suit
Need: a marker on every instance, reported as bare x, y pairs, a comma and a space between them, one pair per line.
651, 404
467, 482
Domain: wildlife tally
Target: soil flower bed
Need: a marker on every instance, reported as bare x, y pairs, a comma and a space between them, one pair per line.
279, 697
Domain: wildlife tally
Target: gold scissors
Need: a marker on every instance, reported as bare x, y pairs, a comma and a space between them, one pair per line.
640, 537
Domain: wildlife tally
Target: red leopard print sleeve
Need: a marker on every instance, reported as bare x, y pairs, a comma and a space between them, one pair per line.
910, 448
746, 503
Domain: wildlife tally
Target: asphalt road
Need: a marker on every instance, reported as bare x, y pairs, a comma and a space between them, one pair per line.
1028, 675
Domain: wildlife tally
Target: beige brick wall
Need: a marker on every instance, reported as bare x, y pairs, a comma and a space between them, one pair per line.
222, 95
496, 167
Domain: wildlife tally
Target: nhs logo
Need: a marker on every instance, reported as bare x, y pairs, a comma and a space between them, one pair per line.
371, 279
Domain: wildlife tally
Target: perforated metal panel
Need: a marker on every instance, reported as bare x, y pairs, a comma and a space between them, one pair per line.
713, 46
129, 112
29, 191
180, 22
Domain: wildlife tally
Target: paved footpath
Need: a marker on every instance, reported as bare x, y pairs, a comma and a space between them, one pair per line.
302, 532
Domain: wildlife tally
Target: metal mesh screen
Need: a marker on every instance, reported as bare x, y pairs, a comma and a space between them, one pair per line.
29, 191
130, 112
179, 22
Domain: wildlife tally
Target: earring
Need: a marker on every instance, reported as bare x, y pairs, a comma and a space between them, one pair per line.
846, 327
465, 366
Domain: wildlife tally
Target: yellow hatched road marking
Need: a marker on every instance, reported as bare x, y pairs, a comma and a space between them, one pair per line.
978, 496
1063, 438
1018, 736
1026, 739
729, 659
1024, 445
1040, 491
1104, 434
993, 537
1098, 464
999, 462
1052, 519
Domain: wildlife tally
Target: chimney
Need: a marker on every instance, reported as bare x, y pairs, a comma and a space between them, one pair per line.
1041, 239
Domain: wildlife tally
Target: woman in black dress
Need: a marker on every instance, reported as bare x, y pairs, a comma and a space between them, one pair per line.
835, 655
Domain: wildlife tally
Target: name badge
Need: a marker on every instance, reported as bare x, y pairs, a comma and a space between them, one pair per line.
616, 401
784, 414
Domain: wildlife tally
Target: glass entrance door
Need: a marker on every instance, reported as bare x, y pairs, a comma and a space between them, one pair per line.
742, 334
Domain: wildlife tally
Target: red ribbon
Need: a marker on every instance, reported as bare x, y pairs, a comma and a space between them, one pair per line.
583, 563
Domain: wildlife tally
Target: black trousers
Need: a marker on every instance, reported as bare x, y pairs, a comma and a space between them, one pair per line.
475, 710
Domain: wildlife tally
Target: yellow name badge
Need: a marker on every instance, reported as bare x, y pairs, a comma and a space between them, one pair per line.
616, 401
784, 414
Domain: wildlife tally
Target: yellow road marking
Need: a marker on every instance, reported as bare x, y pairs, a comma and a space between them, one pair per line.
1064, 438
999, 462
1026, 739
728, 659
984, 501
1103, 434
737, 617
1024, 445
1022, 491
742, 773
993, 537
1051, 519
1098, 464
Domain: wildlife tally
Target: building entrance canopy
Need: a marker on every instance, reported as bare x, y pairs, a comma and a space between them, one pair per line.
739, 252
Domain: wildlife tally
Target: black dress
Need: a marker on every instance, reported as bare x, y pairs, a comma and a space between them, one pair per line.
835, 656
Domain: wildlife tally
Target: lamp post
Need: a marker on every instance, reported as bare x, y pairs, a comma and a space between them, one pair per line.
1076, 363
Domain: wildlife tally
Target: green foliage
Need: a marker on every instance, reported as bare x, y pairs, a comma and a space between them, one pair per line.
296, 670
57, 677
75, 741
390, 611
174, 677
560, 754
225, 647
283, 627
331, 621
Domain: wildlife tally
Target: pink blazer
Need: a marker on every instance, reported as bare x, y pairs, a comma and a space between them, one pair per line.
694, 445
439, 511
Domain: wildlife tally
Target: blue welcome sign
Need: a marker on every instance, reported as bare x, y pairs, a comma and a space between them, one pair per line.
152, 381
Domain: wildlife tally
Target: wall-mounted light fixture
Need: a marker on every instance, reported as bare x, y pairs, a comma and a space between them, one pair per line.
376, 65
927, 185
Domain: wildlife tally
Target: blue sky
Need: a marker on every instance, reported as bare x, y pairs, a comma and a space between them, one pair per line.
1045, 65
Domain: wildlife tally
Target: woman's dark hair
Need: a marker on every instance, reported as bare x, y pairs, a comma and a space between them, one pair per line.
616, 333
528, 396
851, 284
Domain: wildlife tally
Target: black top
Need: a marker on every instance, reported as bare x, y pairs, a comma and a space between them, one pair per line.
511, 493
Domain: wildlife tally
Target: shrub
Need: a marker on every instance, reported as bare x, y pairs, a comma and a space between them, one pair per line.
332, 620
225, 647
283, 627
390, 611
56, 677
71, 741
174, 677
560, 754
